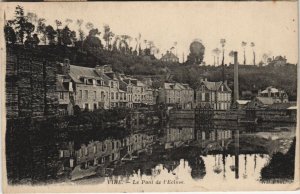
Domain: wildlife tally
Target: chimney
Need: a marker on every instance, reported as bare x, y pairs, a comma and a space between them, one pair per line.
99, 69
269, 92
273, 58
236, 77
66, 66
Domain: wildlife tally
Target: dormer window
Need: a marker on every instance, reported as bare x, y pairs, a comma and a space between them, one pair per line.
202, 87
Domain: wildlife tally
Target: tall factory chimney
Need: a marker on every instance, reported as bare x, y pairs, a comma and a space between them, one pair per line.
236, 77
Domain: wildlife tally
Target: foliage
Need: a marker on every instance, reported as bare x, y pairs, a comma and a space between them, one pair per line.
196, 53
20, 22
68, 37
281, 166
92, 41
51, 34
10, 35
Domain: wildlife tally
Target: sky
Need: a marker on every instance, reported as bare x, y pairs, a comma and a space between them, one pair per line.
272, 26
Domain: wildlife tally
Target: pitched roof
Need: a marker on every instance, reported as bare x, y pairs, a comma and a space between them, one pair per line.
169, 55
214, 86
272, 90
61, 83
60, 87
174, 86
76, 72
266, 100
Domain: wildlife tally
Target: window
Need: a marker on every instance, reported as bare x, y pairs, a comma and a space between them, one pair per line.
102, 95
80, 94
61, 95
111, 84
86, 94
202, 87
117, 95
95, 95
113, 145
112, 95
86, 106
203, 96
95, 106
103, 147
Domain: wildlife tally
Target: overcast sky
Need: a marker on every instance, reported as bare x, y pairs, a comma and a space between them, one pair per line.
271, 26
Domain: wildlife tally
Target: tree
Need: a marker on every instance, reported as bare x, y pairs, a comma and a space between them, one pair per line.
123, 44
231, 54
67, 36
244, 44
116, 43
31, 42
217, 53
29, 28
80, 32
253, 45
32, 18
51, 34
223, 42
20, 21
41, 29
58, 24
10, 35
92, 41
197, 50
107, 36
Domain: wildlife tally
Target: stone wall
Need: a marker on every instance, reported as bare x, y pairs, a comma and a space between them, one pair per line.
30, 84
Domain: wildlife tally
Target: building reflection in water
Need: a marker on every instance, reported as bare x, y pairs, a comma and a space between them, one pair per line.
203, 153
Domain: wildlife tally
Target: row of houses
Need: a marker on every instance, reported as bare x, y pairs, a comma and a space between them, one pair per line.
104, 152
100, 87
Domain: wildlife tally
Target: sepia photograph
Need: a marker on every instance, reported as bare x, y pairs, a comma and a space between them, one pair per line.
149, 96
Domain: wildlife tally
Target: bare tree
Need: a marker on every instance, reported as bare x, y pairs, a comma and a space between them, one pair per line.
217, 53
253, 45
223, 42
244, 44
80, 31
231, 54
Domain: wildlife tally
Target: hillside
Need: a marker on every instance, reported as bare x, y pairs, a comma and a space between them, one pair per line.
251, 78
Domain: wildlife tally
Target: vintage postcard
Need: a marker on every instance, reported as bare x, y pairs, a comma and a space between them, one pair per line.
149, 96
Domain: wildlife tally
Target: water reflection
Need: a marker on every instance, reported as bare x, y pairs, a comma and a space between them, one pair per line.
175, 152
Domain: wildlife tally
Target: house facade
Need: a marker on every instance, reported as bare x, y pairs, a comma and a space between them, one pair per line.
169, 57
176, 94
91, 92
216, 94
272, 95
